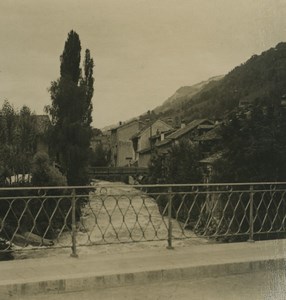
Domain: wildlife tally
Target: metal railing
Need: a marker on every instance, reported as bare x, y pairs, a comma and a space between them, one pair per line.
58, 217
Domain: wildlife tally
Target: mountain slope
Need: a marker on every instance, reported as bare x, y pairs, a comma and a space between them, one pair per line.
182, 94
261, 78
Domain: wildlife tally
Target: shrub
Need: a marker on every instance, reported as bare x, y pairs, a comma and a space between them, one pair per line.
45, 174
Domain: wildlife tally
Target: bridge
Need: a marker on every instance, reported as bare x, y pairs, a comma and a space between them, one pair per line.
107, 213
36, 221
205, 271
116, 173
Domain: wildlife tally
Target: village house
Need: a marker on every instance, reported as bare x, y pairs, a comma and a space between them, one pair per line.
144, 141
132, 143
209, 139
189, 132
122, 152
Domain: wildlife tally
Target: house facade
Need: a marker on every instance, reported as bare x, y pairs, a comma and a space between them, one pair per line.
122, 152
145, 140
189, 132
192, 130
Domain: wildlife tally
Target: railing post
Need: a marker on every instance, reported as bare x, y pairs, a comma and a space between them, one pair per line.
170, 225
73, 202
250, 239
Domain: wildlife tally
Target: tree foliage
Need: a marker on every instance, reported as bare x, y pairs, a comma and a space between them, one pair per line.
179, 166
70, 59
44, 173
71, 110
18, 134
100, 157
254, 146
87, 84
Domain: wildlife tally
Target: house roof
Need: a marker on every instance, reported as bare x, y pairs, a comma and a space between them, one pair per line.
139, 133
166, 133
126, 124
163, 143
211, 135
206, 126
146, 150
191, 126
211, 159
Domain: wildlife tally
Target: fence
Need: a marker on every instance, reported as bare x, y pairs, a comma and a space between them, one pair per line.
58, 217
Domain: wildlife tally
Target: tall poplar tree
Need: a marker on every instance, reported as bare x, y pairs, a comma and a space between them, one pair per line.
71, 110
86, 83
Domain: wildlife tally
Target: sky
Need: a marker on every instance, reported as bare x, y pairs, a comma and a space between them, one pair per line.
144, 50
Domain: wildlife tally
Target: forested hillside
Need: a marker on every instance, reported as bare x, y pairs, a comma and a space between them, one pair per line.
183, 94
261, 78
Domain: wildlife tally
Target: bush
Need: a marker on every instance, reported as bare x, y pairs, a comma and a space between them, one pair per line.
44, 174
179, 166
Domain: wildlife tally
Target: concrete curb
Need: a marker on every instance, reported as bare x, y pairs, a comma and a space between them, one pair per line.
87, 281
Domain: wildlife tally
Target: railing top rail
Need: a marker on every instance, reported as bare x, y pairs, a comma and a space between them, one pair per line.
106, 185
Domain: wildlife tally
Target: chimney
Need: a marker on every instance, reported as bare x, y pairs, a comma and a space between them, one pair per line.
120, 123
177, 122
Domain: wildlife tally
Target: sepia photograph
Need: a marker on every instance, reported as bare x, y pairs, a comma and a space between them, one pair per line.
143, 149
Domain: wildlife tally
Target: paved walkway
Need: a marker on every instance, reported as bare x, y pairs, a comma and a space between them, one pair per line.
66, 274
265, 285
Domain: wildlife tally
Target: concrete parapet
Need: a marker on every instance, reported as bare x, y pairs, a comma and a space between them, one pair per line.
71, 275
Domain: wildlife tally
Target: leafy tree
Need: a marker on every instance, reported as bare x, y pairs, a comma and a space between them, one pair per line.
157, 169
70, 59
71, 111
44, 173
18, 140
179, 166
182, 166
100, 157
96, 132
87, 84
254, 147
253, 150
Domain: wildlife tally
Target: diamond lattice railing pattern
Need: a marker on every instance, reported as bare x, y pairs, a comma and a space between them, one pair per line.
104, 213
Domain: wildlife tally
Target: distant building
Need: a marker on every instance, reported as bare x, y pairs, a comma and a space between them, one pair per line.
145, 140
192, 130
187, 132
122, 152
209, 139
